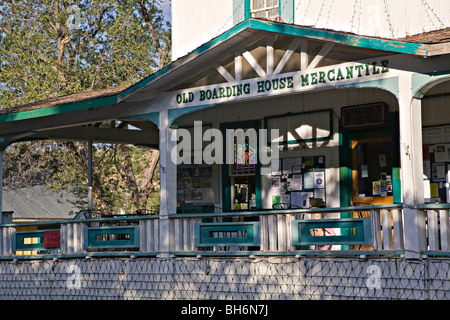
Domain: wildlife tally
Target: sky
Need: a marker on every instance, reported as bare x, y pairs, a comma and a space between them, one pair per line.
167, 9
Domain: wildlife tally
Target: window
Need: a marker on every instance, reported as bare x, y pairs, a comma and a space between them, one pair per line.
264, 9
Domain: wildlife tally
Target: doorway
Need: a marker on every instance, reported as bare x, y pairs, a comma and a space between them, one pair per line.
372, 170
241, 180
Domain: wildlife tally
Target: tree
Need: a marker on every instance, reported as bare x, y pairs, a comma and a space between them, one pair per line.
54, 48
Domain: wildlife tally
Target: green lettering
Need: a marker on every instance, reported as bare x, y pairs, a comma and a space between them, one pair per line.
305, 80
339, 75
328, 75
283, 83
202, 95
349, 72
385, 64
247, 88
359, 67
239, 90
275, 84
260, 86
214, 94
229, 92
322, 77
314, 78
375, 70
221, 93
290, 83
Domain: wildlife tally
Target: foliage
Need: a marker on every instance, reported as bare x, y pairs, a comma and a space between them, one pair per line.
51, 48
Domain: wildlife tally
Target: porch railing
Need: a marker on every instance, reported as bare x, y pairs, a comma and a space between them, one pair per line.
437, 227
301, 231
355, 230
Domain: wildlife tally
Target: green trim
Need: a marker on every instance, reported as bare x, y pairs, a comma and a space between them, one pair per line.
199, 254
91, 234
243, 214
226, 187
18, 238
247, 12
445, 254
177, 115
285, 29
422, 82
110, 254
49, 111
296, 253
388, 84
203, 234
241, 11
432, 206
301, 235
340, 38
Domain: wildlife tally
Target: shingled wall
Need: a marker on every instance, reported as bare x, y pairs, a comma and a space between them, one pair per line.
266, 278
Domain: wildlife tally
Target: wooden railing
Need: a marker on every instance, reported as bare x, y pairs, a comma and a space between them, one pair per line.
349, 230
294, 230
437, 227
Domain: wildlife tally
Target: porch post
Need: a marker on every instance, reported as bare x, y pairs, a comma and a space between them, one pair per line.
168, 183
411, 168
1, 185
90, 175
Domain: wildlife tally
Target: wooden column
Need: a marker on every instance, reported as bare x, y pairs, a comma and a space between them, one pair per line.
168, 182
411, 168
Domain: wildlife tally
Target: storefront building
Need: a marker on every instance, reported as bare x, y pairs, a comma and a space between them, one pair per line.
340, 130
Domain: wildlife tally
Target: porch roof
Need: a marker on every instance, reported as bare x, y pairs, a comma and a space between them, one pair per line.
427, 44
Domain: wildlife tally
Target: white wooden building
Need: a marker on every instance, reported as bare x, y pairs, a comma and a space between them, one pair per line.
358, 94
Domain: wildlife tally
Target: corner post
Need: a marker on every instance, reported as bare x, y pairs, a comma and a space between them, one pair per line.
1, 181
412, 168
168, 182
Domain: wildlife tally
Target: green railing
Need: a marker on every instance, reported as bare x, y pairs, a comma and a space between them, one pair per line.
293, 231
364, 230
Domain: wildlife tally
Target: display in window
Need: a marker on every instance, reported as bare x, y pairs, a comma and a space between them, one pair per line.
297, 181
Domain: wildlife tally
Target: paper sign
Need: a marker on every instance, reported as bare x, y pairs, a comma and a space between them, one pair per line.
319, 179
296, 182
376, 188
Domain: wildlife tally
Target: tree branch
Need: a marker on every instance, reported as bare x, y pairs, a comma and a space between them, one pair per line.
151, 28
8, 28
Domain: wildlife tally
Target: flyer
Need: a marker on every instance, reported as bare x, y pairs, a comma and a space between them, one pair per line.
319, 179
308, 180
296, 182
376, 188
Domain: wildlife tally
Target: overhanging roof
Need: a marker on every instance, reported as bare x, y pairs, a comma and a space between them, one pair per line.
225, 44
248, 30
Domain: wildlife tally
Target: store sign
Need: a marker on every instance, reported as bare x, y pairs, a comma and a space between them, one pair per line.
283, 83
364, 115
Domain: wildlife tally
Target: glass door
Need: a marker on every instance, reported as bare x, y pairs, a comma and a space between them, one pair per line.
372, 174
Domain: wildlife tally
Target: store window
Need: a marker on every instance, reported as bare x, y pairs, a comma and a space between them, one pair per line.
264, 9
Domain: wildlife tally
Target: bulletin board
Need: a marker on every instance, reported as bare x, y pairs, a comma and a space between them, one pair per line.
295, 180
194, 184
436, 166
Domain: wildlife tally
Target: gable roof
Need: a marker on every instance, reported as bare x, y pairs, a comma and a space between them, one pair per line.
428, 44
38, 203
242, 33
